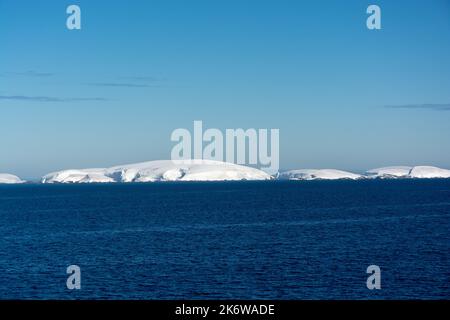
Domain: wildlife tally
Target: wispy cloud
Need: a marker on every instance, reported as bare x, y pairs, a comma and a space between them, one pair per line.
48, 99
131, 82
29, 73
429, 106
120, 84
142, 78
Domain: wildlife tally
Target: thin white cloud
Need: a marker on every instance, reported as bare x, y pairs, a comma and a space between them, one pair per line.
48, 99
429, 106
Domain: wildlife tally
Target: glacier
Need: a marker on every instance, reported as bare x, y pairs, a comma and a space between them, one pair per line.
6, 178
318, 174
159, 170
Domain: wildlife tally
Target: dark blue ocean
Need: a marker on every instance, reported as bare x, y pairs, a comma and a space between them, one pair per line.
234, 240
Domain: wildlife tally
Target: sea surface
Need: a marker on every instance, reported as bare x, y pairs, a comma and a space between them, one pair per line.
229, 240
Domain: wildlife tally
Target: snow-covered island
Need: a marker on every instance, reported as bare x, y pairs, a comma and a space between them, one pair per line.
209, 170
424, 172
6, 178
318, 174
395, 172
161, 170
417, 172
389, 172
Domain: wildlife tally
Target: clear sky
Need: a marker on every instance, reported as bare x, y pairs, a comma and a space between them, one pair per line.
112, 92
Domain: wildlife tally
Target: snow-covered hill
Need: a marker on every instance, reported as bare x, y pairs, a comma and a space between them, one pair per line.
77, 176
6, 178
417, 172
162, 170
428, 172
395, 172
389, 172
318, 174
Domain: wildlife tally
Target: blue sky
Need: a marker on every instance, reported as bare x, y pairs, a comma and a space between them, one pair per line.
112, 92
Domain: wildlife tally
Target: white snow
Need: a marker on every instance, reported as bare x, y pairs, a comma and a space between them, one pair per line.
77, 176
6, 178
318, 174
208, 170
417, 172
429, 172
161, 170
389, 172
